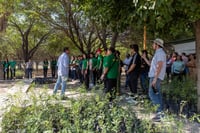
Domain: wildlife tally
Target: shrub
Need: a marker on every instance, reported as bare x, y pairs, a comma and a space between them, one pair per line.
45, 113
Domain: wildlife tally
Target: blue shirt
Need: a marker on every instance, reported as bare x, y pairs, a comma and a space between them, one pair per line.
63, 65
127, 62
158, 56
178, 67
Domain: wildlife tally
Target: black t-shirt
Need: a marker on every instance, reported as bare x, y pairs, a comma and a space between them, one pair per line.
144, 66
136, 59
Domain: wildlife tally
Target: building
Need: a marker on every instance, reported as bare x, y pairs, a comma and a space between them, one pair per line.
187, 46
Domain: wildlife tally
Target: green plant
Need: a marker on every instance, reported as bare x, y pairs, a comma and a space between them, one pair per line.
40, 113
181, 93
19, 73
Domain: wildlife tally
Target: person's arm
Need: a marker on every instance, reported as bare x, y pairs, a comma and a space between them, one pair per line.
146, 60
133, 64
131, 68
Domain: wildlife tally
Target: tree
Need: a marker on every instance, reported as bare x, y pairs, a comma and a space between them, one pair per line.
65, 16
111, 17
32, 30
173, 17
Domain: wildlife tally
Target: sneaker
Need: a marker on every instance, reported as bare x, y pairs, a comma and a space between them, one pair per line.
156, 119
159, 116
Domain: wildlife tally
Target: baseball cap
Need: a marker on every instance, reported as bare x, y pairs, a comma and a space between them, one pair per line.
159, 42
98, 50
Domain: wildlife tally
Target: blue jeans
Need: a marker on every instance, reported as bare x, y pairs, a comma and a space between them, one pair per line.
60, 81
156, 98
144, 80
29, 73
126, 82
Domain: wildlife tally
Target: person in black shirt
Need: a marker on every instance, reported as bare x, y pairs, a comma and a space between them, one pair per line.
134, 68
144, 71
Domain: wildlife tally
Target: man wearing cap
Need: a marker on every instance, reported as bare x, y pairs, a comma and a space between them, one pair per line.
156, 75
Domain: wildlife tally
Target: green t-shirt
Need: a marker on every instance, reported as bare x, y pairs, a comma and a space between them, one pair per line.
53, 63
12, 64
45, 64
104, 61
5, 64
94, 62
85, 63
113, 65
99, 61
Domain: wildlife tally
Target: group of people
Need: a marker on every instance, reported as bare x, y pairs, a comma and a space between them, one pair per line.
8, 69
53, 66
93, 68
179, 66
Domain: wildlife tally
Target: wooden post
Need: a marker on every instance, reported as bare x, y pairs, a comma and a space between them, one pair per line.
145, 38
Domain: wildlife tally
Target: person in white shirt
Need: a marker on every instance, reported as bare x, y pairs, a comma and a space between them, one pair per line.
126, 63
63, 72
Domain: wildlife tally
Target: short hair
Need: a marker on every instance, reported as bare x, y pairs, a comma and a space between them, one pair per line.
65, 48
112, 49
135, 47
145, 51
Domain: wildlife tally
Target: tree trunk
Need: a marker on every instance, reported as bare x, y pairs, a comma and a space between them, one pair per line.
114, 39
197, 33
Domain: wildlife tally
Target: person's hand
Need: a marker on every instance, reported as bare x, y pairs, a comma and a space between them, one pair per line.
143, 56
154, 82
102, 76
127, 72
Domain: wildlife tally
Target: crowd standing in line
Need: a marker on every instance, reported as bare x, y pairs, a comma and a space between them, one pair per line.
9, 68
94, 68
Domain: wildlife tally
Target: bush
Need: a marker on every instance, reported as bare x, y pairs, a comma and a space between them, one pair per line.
94, 114
181, 95
19, 74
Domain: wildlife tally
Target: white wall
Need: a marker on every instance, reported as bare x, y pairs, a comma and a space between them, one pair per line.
188, 47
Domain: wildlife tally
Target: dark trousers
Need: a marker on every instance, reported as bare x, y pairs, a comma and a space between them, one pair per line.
111, 85
6, 74
133, 82
80, 76
53, 71
45, 72
98, 73
86, 78
29, 72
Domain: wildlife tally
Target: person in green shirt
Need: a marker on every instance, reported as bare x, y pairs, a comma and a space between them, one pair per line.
6, 65
92, 70
111, 72
45, 67
99, 66
84, 71
53, 67
12, 68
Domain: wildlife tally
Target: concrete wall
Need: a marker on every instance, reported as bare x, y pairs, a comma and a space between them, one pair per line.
187, 47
